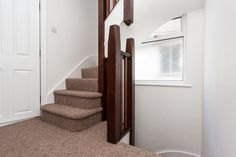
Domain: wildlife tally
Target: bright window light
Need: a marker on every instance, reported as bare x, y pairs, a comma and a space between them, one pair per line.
162, 57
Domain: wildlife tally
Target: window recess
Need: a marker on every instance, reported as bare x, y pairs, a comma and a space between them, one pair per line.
161, 55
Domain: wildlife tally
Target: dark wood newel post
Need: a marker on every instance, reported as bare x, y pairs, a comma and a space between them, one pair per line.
130, 48
114, 85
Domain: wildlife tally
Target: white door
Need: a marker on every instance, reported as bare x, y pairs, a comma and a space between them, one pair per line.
19, 60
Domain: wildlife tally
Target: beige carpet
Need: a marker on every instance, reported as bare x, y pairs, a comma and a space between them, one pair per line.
35, 138
78, 107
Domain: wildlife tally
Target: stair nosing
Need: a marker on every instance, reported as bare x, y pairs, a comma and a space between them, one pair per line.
92, 79
64, 93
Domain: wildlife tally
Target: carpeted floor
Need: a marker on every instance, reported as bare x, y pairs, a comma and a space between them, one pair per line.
35, 138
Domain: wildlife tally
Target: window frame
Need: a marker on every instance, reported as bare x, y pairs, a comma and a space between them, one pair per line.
171, 83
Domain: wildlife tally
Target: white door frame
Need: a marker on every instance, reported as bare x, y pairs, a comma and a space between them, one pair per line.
43, 47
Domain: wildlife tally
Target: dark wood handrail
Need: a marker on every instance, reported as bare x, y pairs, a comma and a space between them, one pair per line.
128, 10
101, 53
120, 101
110, 7
130, 83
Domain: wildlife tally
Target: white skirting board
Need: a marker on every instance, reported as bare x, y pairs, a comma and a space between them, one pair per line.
13, 122
176, 153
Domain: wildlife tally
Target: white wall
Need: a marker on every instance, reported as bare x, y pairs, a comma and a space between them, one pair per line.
220, 79
148, 16
75, 38
169, 118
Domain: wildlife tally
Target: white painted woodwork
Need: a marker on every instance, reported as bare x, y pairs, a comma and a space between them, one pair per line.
19, 60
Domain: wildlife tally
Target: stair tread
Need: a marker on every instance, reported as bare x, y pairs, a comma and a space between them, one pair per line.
70, 112
75, 93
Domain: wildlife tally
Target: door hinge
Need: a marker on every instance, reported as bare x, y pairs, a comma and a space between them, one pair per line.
40, 53
39, 5
40, 99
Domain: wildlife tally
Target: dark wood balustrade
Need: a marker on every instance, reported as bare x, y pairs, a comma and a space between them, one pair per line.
120, 88
110, 5
116, 74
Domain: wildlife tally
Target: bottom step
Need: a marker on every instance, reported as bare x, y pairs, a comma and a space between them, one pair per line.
70, 118
72, 125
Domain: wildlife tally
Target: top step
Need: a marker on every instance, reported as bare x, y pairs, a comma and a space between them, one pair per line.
90, 72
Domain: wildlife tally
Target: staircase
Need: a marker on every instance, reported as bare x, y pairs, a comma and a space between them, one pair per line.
79, 106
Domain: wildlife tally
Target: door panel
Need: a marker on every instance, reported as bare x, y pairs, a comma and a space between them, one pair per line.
22, 80
19, 60
21, 27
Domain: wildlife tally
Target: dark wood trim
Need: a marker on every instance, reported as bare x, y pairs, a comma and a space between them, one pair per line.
108, 7
130, 48
125, 91
114, 3
114, 86
128, 12
101, 53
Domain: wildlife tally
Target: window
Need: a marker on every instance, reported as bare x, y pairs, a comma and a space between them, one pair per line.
160, 58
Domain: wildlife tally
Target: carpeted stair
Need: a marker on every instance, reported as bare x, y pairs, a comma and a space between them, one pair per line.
79, 106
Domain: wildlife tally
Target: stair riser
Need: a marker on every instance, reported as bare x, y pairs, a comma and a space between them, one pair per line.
82, 85
83, 103
90, 73
71, 124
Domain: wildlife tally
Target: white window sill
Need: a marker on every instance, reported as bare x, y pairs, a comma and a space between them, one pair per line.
180, 84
